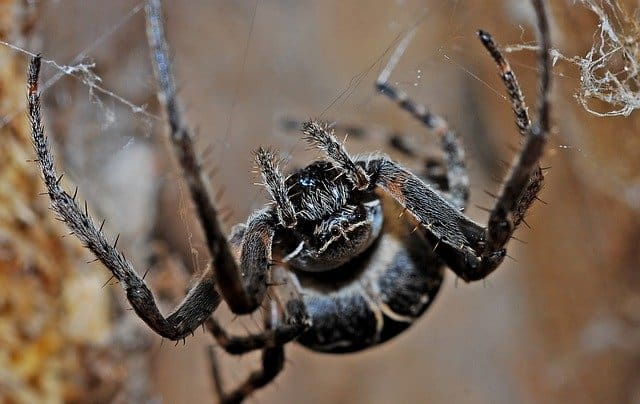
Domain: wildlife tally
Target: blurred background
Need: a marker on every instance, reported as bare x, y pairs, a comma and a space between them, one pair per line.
559, 322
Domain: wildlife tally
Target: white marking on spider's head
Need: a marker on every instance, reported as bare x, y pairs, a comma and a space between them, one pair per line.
374, 215
338, 238
294, 252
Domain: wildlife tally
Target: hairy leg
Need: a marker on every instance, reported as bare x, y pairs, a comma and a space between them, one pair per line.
272, 363
520, 110
230, 281
201, 300
469, 249
525, 178
457, 178
278, 334
432, 168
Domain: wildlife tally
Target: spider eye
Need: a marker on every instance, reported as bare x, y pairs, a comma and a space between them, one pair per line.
335, 231
306, 181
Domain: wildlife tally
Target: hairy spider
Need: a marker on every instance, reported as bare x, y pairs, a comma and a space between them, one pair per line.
362, 271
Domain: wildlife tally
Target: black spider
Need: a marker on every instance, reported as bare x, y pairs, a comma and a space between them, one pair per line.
362, 271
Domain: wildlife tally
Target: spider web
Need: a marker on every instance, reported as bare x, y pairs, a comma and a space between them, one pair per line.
81, 69
610, 70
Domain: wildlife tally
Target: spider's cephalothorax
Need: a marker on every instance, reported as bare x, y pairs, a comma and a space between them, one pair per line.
335, 221
362, 244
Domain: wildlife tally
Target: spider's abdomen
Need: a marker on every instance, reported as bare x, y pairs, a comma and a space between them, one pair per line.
376, 295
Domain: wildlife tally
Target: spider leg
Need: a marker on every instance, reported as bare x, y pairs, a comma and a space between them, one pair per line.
457, 178
254, 242
510, 82
470, 250
277, 334
322, 137
274, 182
457, 238
514, 199
201, 300
228, 276
536, 177
432, 168
394, 140
272, 365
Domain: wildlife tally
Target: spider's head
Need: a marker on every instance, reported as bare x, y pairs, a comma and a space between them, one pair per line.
335, 221
326, 219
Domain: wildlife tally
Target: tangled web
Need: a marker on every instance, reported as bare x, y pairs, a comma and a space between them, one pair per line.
609, 71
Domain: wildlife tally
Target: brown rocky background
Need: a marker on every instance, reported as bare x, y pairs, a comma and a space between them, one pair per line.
559, 323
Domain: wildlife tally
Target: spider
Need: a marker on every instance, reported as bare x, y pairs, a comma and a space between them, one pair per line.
363, 242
